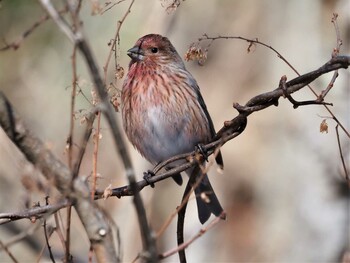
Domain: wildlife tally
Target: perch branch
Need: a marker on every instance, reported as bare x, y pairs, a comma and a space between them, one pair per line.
234, 127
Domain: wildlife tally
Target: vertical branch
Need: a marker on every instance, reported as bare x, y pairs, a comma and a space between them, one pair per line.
95, 154
67, 255
116, 38
335, 53
88, 130
58, 229
181, 216
341, 154
146, 232
77, 39
8, 252
46, 236
70, 143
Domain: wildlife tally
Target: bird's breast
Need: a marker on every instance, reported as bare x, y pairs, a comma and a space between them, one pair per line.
161, 120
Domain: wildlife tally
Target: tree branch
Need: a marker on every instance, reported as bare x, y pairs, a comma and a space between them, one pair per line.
97, 228
236, 126
77, 39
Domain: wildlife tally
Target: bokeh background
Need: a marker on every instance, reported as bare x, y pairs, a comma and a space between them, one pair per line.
282, 187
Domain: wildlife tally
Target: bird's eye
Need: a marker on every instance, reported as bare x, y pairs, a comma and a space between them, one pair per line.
154, 50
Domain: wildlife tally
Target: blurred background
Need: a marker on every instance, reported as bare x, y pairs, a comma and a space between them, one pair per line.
283, 184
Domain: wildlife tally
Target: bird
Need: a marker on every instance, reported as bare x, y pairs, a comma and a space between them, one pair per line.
164, 114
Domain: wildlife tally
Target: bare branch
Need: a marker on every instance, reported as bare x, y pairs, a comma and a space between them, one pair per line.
17, 43
341, 155
279, 55
116, 39
96, 226
234, 127
47, 235
33, 213
78, 40
8, 252
334, 54
184, 245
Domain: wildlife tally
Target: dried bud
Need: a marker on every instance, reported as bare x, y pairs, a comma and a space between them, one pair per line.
251, 46
95, 99
119, 72
324, 127
99, 134
115, 102
195, 52
83, 120
95, 8
170, 7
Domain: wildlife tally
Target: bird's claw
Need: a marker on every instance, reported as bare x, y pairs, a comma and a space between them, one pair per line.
146, 176
201, 150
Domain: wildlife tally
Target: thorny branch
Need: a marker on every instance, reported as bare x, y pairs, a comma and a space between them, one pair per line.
234, 127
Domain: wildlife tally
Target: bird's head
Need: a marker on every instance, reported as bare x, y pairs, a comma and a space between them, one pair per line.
154, 48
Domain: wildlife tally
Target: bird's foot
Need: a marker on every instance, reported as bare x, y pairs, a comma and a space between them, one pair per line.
202, 151
146, 176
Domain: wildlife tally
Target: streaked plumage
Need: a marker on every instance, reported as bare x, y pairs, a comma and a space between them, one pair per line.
163, 111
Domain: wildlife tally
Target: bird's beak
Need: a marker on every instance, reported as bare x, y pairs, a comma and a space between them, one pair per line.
136, 53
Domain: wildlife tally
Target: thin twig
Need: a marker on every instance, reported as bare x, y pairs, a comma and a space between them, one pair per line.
67, 255
186, 198
95, 155
8, 252
85, 139
60, 22
109, 6
341, 154
295, 103
46, 235
279, 55
184, 245
251, 42
33, 213
70, 140
58, 230
116, 38
181, 218
334, 54
192, 184
17, 43
17, 238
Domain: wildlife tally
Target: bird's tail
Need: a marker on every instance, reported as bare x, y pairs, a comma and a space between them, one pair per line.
207, 202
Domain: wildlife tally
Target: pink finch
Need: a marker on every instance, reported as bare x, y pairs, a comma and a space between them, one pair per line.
164, 113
